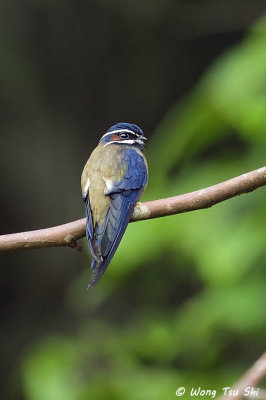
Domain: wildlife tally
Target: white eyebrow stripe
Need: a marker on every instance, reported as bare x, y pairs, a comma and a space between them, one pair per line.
120, 130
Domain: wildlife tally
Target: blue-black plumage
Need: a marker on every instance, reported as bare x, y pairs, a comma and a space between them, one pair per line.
112, 182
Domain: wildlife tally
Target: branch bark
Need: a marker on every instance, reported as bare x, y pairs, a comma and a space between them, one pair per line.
68, 234
249, 380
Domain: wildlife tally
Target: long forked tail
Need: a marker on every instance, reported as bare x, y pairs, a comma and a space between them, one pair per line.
120, 211
98, 269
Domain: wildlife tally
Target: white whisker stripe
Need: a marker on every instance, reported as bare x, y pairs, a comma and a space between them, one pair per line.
137, 141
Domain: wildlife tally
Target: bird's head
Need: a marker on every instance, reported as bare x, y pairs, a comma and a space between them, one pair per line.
124, 133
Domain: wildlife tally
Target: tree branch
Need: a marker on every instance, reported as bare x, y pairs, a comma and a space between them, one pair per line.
249, 380
68, 234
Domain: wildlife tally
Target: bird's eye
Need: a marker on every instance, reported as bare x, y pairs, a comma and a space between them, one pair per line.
123, 135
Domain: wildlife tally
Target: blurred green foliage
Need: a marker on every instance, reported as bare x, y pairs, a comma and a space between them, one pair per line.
183, 303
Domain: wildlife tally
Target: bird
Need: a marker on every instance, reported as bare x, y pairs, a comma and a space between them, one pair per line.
112, 181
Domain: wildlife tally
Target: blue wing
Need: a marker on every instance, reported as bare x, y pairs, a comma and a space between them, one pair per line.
123, 197
94, 249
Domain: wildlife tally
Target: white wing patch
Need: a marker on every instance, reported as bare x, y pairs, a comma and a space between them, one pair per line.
109, 185
86, 188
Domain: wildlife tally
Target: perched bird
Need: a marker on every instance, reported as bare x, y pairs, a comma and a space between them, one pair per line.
112, 182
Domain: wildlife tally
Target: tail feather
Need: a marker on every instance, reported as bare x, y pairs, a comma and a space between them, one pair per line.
95, 251
124, 202
98, 269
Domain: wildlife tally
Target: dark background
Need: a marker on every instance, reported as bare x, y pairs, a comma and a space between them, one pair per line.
69, 70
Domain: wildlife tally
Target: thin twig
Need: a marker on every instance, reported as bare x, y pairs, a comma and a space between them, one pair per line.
68, 234
250, 379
